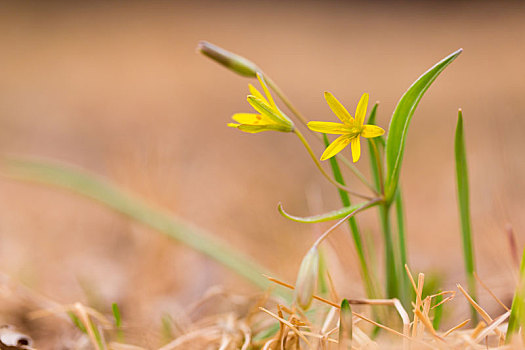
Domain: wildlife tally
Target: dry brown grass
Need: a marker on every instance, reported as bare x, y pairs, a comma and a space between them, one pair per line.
228, 321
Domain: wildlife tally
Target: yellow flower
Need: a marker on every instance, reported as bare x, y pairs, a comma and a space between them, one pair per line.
350, 130
269, 117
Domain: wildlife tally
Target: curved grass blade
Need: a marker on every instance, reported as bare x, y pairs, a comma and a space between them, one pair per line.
397, 131
464, 208
332, 215
91, 186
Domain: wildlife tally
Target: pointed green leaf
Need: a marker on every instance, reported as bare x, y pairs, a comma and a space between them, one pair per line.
516, 319
464, 208
397, 131
332, 215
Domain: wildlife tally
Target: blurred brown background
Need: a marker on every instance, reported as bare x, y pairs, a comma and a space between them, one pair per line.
118, 89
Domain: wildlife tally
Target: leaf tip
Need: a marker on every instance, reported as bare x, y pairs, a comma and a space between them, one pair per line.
457, 52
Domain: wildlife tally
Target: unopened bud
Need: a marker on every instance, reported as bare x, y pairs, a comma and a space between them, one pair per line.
345, 326
236, 63
306, 283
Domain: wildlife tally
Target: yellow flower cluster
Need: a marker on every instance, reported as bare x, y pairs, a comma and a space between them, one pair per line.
270, 117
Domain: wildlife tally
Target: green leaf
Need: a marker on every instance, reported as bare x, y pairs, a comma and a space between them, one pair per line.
332, 215
517, 317
345, 325
438, 311
118, 321
98, 336
116, 315
397, 131
96, 188
76, 321
374, 152
464, 208
167, 328
267, 332
372, 121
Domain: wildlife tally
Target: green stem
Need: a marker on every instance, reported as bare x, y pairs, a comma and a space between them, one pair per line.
377, 174
367, 276
406, 289
401, 227
392, 290
304, 121
379, 168
325, 174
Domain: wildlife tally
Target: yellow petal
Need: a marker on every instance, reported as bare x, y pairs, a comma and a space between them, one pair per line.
251, 119
328, 127
265, 88
360, 111
338, 109
266, 110
336, 146
256, 93
356, 149
372, 131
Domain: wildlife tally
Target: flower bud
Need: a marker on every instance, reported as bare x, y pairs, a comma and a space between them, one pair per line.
345, 326
306, 283
236, 63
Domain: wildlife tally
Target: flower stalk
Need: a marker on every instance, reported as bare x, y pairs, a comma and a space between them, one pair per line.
321, 169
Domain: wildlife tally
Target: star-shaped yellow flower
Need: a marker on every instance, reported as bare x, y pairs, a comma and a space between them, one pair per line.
270, 116
351, 130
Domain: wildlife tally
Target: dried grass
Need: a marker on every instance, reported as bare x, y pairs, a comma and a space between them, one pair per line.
243, 327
